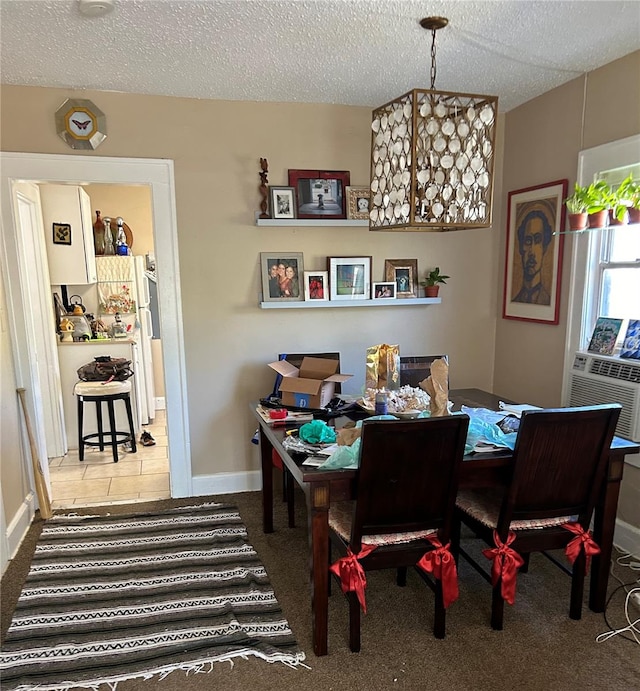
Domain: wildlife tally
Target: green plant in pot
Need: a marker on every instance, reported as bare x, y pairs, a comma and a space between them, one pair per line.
628, 194
431, 282
601, 198
577, 205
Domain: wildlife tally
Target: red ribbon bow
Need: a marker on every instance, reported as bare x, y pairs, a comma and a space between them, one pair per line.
506, 562
442, 565
351, 573
583, 539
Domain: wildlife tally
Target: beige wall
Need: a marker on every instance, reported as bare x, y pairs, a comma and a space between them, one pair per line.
216, 147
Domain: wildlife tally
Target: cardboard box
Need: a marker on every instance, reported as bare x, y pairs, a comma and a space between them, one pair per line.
311, 386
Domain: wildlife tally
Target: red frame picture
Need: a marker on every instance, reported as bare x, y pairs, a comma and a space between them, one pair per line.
534, 247
320, 193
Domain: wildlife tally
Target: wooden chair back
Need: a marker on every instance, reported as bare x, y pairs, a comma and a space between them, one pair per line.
408, 478
560, 459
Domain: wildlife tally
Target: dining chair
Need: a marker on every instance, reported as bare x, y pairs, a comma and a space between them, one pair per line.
288, 485
402, 512
559, 465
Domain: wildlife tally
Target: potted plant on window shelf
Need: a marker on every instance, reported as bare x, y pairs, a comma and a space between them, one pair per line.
600, 199
629, 195
431, 282
577, 205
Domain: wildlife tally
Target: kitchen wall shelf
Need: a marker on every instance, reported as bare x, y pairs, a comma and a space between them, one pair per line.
385, 302
306, 222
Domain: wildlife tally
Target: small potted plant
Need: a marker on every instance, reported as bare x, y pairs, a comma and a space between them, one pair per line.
600, 199
577, 205
628, 194
431, 282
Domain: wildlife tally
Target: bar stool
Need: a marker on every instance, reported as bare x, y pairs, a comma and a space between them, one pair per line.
104, 392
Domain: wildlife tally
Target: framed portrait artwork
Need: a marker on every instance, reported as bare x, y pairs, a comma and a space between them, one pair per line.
282, 201
404, 273
349, 278
384, 291
320, 193
533, 262
282, 276
316, 285
61, 233
358, 201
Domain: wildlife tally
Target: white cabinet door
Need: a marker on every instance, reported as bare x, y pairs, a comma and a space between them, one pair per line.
72, 259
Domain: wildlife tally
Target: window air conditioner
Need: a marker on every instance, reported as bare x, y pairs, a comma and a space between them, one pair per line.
598, 379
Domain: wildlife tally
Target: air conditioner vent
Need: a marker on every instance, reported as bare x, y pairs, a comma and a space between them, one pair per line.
615, 370
585, 391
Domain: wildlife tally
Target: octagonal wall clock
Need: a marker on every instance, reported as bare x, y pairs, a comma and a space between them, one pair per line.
81, 124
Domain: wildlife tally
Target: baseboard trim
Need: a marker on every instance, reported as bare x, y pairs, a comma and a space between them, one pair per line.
627, 538
17, 529
227, 483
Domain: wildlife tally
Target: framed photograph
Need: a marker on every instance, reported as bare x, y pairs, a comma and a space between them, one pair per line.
384, 291
316, 285
282, 201
358, 201
349, 278
282, 276
320, 193
605, 335
533, 262
631, 344
404, 273
61, 233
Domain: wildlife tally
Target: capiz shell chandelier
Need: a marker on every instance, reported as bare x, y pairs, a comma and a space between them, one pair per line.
432, 156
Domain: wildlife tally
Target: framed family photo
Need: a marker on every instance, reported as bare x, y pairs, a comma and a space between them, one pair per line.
533, 262
320, 193
404, 273
358, 202
283, 202
316, 285
282, 276
349, 277
384, 291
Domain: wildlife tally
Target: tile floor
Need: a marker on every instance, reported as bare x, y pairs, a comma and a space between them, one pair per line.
97, 480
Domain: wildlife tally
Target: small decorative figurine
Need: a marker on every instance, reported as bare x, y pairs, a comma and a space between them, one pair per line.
264, 190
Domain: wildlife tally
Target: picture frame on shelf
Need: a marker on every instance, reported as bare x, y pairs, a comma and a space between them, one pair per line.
282, 202
320, 193
533, 261
316, 285
385, 290
605, 334
349, 278
631, 343
282, 276
404, 273
358, 203
61, 233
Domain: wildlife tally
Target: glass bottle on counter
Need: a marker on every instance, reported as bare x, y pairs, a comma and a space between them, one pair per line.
108, 237
98, 235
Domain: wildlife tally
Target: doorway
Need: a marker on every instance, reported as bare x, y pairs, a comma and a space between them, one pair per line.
20, 245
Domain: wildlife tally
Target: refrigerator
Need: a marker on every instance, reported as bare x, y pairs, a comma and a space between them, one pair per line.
123, 287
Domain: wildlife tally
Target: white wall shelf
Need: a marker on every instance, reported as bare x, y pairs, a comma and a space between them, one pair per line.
306, 222
385, 302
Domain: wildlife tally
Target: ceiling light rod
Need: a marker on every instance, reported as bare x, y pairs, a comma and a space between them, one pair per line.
433, 24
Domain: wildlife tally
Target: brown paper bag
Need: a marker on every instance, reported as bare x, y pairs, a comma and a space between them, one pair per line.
383, 367
437, 386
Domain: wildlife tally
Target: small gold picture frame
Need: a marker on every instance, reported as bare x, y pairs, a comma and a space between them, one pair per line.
358, 203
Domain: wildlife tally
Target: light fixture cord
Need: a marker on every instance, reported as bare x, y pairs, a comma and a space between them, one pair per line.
433, 59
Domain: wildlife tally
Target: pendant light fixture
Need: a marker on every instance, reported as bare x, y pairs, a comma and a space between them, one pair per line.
432, 157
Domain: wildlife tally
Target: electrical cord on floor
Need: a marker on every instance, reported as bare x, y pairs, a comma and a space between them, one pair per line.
632, 590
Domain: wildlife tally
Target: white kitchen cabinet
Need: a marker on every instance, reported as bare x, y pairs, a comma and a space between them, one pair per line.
75, 263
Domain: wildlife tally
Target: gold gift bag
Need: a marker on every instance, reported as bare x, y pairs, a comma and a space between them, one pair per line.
383, 367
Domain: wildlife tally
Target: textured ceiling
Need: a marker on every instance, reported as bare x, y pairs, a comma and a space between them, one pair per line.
356, 52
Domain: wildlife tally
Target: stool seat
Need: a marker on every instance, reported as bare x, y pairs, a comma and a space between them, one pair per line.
99, 393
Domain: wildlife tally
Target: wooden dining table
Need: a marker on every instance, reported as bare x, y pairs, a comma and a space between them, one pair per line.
486, 469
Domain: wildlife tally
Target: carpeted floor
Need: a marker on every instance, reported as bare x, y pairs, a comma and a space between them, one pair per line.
540, 648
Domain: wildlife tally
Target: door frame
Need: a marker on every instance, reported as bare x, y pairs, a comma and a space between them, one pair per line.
78, 170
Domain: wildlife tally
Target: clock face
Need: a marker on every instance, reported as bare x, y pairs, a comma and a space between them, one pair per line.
81, 124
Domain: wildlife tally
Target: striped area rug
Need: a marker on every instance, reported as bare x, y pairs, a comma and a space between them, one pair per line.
110, 598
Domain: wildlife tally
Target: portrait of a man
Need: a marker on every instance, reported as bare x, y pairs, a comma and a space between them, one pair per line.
532, 276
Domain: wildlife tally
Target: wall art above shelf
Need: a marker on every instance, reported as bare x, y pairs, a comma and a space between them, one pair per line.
308, 304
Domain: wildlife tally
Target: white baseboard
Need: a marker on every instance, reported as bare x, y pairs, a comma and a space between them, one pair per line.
20, 523
627, 538
227, 483
160, 403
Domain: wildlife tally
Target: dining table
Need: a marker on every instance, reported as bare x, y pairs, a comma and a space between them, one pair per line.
487, 469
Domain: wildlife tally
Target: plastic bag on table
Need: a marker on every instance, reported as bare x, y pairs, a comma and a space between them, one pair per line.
348, 456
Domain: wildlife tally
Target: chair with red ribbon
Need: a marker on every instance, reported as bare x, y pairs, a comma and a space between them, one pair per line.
402, 513
559, 465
